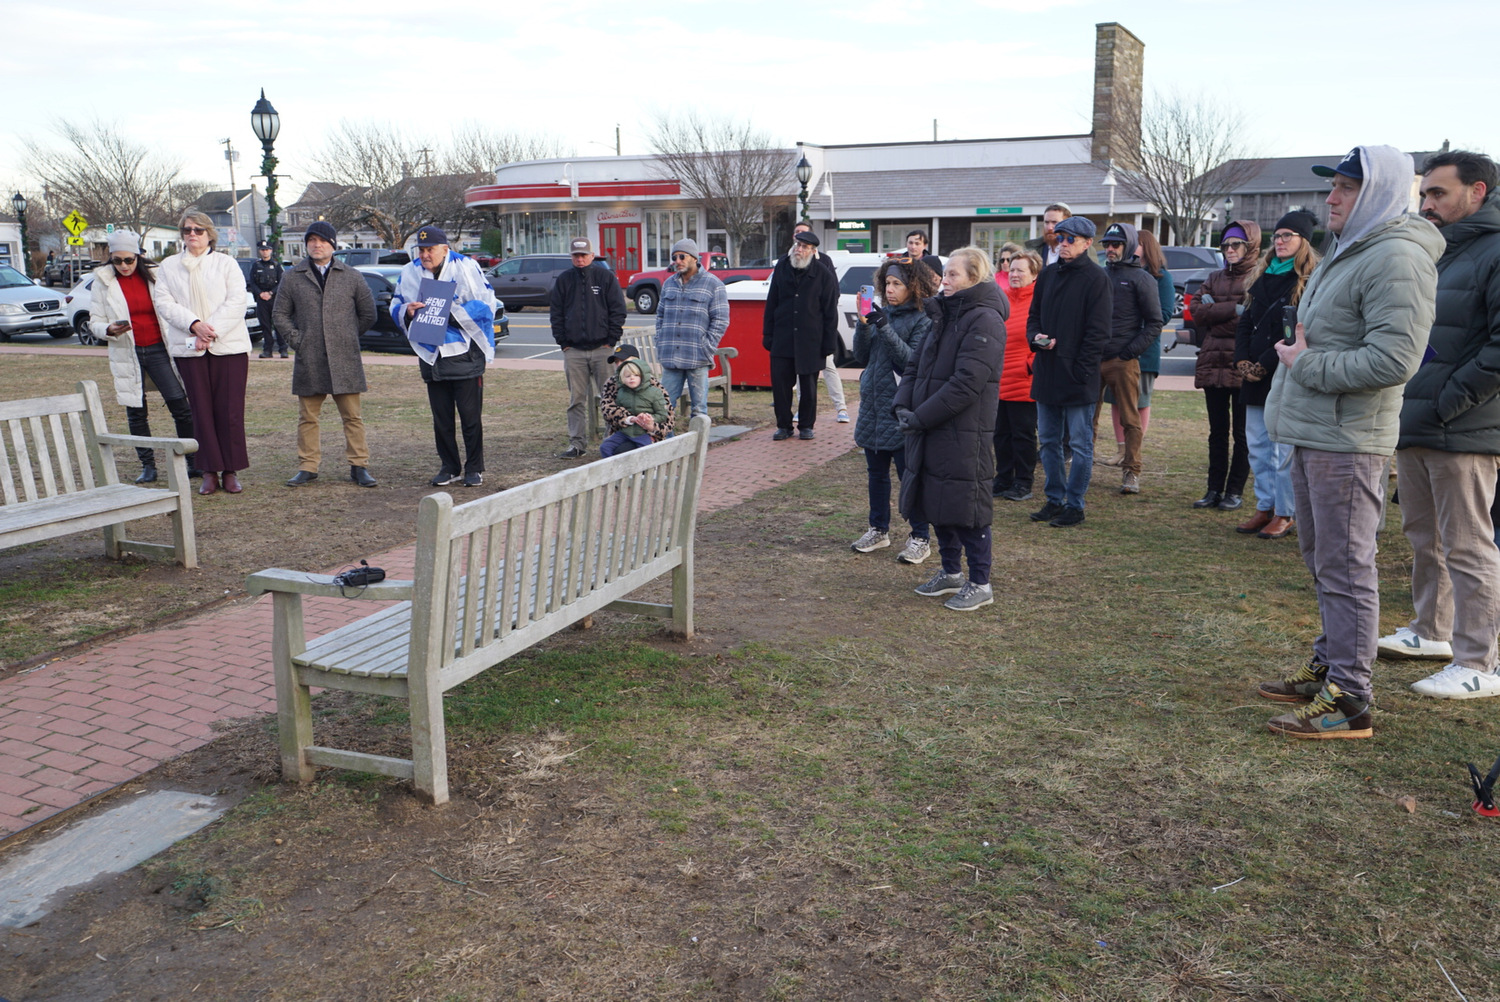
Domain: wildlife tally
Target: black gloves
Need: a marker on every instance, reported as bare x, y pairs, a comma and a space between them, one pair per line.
875, 316
907, 420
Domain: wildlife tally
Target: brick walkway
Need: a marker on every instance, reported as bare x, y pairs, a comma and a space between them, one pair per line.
74, 728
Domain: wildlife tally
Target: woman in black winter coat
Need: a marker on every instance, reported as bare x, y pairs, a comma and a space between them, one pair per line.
884, 342
1283, 275
946, 406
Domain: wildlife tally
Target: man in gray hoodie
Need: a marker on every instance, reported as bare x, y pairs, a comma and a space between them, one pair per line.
1362, 329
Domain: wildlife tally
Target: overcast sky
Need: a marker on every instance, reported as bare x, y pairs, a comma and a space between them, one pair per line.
1314, 78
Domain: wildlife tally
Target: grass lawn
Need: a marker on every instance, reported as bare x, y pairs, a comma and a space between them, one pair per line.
840, 790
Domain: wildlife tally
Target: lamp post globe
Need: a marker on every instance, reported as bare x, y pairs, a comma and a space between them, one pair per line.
18, 202
266, 124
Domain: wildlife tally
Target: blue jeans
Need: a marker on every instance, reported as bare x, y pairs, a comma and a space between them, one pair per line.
878, 466
672, 381
1078, 421
621, 442
1271, 462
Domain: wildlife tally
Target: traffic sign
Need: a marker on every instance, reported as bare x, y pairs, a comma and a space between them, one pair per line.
75, 241
75, 223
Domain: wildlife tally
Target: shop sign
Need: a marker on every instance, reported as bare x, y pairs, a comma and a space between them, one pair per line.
998, 210
852, 225
617, 216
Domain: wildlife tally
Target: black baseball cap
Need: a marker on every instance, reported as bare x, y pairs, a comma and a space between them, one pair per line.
1349, 167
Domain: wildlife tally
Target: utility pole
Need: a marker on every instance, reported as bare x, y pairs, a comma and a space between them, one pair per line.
426, 163
617, 139
234, 202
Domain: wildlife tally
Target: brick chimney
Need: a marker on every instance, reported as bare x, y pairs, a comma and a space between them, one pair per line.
1118, 61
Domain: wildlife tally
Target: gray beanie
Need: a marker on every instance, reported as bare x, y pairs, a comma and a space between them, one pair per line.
685, 247
125, 242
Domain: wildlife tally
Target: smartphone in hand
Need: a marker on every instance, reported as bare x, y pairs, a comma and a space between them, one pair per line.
1289, 325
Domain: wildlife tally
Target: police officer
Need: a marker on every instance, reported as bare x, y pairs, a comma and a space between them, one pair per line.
265, 276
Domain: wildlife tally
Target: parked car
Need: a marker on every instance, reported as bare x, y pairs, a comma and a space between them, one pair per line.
526, 279
386, 335
645, 287
61, 270
371, 255
1189, 267
29, 308
76, 304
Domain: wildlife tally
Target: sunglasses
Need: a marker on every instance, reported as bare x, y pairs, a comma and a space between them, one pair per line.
1233, 245
192, 231
1114, 243
1065, 238
681, 257
127, 260
1006, 260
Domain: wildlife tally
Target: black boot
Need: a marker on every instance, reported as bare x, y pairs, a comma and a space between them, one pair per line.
1210, 499
148, 474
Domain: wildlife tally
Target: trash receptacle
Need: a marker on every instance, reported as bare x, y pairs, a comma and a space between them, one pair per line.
747, 310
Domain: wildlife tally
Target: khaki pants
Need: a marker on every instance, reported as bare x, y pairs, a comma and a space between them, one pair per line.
1455, 574
1124, 379
310, 450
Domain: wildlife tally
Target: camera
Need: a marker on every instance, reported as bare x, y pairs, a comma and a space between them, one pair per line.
360, 577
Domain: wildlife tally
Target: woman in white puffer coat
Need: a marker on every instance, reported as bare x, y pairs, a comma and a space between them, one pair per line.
123, 315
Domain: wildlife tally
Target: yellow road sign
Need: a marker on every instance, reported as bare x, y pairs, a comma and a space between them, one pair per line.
75, 241
75, 223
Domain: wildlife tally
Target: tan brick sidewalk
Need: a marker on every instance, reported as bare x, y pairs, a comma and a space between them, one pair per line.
76, 727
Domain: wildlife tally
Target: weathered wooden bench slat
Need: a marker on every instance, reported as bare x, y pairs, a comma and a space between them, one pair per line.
493, 577
57, 477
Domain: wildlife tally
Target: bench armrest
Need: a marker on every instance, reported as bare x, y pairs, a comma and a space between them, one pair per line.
303, 583
727, 352
180, 446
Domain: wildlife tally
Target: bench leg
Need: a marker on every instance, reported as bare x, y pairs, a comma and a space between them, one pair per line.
114, 535
682, 596
429, 736
184, 536
293, 699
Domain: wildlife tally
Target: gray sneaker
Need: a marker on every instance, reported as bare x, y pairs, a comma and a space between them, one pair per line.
970, 597
1131, 483
873, 539
942, 583
917, 550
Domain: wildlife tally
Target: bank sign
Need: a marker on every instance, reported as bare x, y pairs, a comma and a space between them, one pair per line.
998, 210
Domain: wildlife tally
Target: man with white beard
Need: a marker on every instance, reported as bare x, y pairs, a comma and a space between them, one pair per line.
801, 330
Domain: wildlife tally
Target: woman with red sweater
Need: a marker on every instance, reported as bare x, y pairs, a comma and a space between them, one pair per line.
122, 314
1015, 421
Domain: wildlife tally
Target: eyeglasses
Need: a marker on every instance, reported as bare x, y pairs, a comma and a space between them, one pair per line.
1282, 236
127, 260
1065, 238
1233, 245
193, 231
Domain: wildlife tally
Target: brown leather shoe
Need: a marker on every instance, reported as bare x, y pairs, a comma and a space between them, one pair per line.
1277, 528
210, 484
1256, 522
232, 482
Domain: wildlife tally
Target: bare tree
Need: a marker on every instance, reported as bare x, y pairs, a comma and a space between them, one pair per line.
102, 173
1193, 151
734, 169
477, 149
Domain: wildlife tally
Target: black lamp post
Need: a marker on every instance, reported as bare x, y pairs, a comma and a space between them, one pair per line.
804, 175
18, 202
1228, 208
267, 124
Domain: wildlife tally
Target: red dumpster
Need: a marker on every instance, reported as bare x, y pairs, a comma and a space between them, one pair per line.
747, 309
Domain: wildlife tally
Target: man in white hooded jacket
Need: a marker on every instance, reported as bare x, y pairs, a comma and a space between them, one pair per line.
1362, 329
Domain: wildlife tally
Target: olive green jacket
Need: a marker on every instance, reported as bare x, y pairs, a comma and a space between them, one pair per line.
1367, 315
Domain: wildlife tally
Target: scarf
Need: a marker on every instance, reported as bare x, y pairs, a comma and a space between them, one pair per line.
197, 293
473, 318
1280, 265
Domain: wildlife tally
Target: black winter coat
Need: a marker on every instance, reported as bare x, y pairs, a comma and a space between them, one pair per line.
1072, 305
1136, 319
950, 386
1453, 402
802, 314
587, 308
1259, 330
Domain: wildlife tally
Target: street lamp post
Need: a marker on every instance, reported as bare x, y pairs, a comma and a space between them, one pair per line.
267, 124
1228, 209
804, 175
18, 202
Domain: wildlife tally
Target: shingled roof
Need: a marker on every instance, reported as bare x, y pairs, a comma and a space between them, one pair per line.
858, 192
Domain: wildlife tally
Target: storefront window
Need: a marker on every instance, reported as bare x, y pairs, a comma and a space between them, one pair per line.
991, 238
665, 228
540, 232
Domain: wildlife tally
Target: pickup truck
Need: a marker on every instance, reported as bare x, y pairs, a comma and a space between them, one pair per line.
60, 271
644, 288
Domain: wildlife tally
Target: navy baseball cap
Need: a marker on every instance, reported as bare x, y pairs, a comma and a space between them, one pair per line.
431, 236
1349, 167
1115, 233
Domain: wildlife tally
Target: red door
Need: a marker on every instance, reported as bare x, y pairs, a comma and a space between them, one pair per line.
620, 245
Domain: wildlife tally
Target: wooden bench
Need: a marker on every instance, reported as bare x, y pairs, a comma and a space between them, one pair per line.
493, 577
57, 472
720, 378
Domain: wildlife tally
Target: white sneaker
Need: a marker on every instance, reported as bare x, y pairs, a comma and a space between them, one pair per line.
873, 539
1405, 643
1458, 682
843, 416
916, 551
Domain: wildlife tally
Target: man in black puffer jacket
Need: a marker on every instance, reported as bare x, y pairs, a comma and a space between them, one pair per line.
1135, 324
1067, 330
1449, 449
